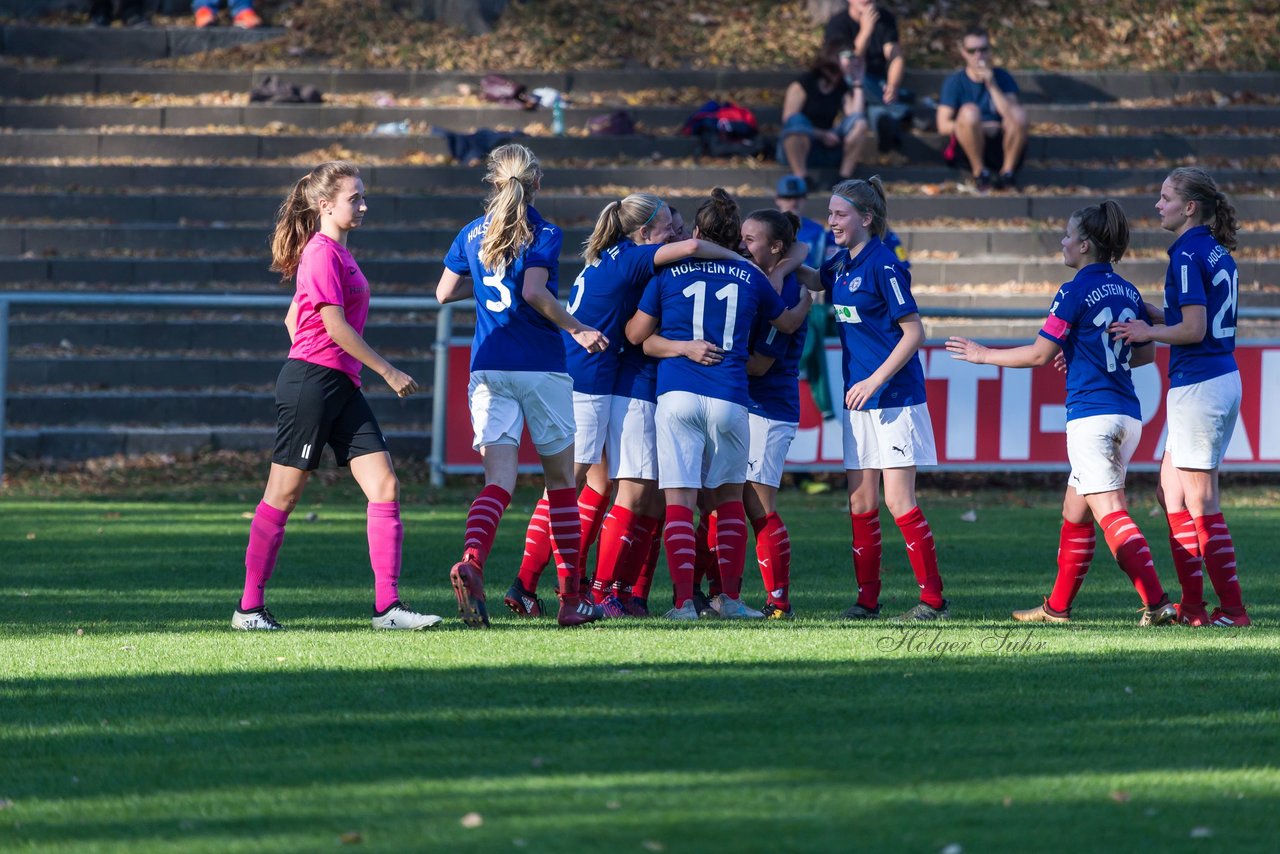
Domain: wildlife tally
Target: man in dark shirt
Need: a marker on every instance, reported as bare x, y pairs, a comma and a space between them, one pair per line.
979, 109
871, 32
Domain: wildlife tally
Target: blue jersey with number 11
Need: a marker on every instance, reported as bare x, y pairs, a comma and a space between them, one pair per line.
510, 334
1202, 272
716, 301
1098, 378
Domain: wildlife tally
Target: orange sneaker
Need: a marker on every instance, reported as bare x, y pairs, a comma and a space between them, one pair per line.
247, 19
205, 17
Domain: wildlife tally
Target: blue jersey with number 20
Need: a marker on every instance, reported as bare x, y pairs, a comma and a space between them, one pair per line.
716, 301
1202, 272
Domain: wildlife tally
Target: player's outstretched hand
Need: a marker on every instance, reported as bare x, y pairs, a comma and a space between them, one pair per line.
401, 383
1131, 331
1060, 362
965, 349
592, 340
703, 353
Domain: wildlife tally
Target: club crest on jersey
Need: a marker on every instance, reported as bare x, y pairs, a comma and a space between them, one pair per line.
855, 284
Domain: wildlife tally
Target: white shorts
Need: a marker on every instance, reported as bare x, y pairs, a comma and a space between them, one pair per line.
503, 401
1099, 448
702, 441
591, 417
767, 449
632, 447
1201, 418
892, 438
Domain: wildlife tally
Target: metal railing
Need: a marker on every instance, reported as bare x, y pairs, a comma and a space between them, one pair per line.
440, 348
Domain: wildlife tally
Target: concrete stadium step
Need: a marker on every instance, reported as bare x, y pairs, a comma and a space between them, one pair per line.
1036, 86
80, 443
390, 207
921, 148
103, 373
69, 240
170, 406
324, 116
124, 44
424, 271
177, 333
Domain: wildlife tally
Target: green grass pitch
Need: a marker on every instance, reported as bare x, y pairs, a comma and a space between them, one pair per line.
132, 718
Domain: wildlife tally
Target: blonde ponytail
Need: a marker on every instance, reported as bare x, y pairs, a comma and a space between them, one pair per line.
514, 174
618, 220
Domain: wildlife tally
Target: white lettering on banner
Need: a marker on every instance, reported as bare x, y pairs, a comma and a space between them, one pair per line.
1239, 448
1269, 406
1053, 418
1149, 385
962, 401
1015, 414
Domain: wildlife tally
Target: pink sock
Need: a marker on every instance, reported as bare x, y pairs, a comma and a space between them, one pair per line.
386, 534
266, 533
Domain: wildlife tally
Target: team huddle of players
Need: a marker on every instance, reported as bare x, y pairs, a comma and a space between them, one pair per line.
667, 388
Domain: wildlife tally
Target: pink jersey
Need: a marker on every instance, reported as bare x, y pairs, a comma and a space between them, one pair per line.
327, 274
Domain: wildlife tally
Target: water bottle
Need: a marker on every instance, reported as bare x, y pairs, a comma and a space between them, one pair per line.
557, 117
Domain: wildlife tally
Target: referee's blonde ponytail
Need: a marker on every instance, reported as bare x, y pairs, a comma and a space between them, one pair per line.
514, 174
299, 215
618, 220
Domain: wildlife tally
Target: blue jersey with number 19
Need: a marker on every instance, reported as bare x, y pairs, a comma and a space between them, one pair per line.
870, 294
600, 298
1202, 272
510, 334
1098, 378
716, 301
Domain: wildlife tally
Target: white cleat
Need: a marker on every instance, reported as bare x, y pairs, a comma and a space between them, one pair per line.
256, 620
684, 612
397, 616
734, 609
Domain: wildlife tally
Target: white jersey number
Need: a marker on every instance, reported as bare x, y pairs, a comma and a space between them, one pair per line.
1115, 348
729, 293
503, 302
1232, 281
575, 294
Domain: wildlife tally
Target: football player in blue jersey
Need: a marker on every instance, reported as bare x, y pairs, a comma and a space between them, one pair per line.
773, 414
1104, 421
887, 430
627, 246
1198, 321
702, 313
509, 260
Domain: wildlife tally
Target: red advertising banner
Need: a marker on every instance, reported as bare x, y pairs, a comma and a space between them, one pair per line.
985, 418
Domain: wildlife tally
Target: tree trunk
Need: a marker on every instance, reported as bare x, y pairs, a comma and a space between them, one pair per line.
474, 16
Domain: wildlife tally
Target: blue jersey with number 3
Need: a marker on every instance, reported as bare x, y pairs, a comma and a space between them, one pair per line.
510, 334
869, 295
1202, 272
604, 297
716, 301
1098, 377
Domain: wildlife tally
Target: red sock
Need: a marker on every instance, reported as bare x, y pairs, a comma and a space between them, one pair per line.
566, 540
1126, 542
616, 542
537, 546
773, 552
1076, 544
866, 556
647, 561
1184, 544
681, 545
386, 535
591, 512
266, 533
731, 546
923, 555
1220, 560
706, 565
482, 523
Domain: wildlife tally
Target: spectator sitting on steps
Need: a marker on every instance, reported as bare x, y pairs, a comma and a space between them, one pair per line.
811, 106
979, 110
871, 32
242, 14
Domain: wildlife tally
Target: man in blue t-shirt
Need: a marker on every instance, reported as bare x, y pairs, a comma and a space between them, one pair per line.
979, 110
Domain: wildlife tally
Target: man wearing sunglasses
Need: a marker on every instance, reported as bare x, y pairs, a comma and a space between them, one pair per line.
979, 110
